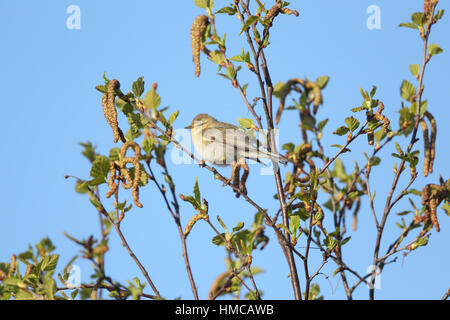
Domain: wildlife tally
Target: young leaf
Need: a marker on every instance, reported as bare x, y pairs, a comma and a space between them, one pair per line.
197, 191
322, 81
247, 24
246, 123
202, 3
48, 263
228, 10
322, 124
138, 87
100, 167
434, 49
414, 68
173, 117
407, 90
352, 123
152, 99
341, 131
419, 18
373, 91
408, 25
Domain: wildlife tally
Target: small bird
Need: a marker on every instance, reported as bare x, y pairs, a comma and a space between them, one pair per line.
222, 144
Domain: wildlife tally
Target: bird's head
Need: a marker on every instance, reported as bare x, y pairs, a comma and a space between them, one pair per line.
202, 121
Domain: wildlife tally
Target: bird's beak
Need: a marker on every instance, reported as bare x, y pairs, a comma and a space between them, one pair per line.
188, 127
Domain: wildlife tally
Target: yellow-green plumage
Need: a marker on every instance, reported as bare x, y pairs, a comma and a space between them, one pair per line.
222, 143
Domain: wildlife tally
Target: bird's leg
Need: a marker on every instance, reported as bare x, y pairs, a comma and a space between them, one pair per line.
227, 182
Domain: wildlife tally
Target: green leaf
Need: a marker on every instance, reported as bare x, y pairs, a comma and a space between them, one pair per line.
246, 123
152, 99
102, 88
357, 109
228, 10
202, 3
352, 123
138, 87
217, 57
231, 72
88, 151
375, 161
330, 243
100, 167
12, 281
237, 58
373, 91
341, 131
434, 49
95, 203
302, 213
340, 147
225, 76
446, 208
148, 144
218, 240
294, 223
422, 241
247, 23
49, 263
222, 224
96, 181
49, 288
380, 135
439, 14
289, 147
414, 68
364, 94
407, 90
322, 124
173, 117
197, 191
408, 25
23, 295
238, 227
278, 89
114, 154
192, 201
322, 81
345, 240
419, 18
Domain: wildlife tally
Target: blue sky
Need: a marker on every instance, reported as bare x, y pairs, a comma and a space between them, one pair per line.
49, 105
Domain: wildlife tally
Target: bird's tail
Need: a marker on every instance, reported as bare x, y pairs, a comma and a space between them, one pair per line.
272, 156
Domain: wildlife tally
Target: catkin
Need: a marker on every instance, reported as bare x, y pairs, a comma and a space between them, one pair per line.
13, 266
315, 95
198, 27
109, 109
426, 146
272, 13
128, 182
433, 127
113, 186
193, 221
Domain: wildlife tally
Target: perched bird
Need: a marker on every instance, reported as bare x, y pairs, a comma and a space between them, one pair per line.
222, 144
